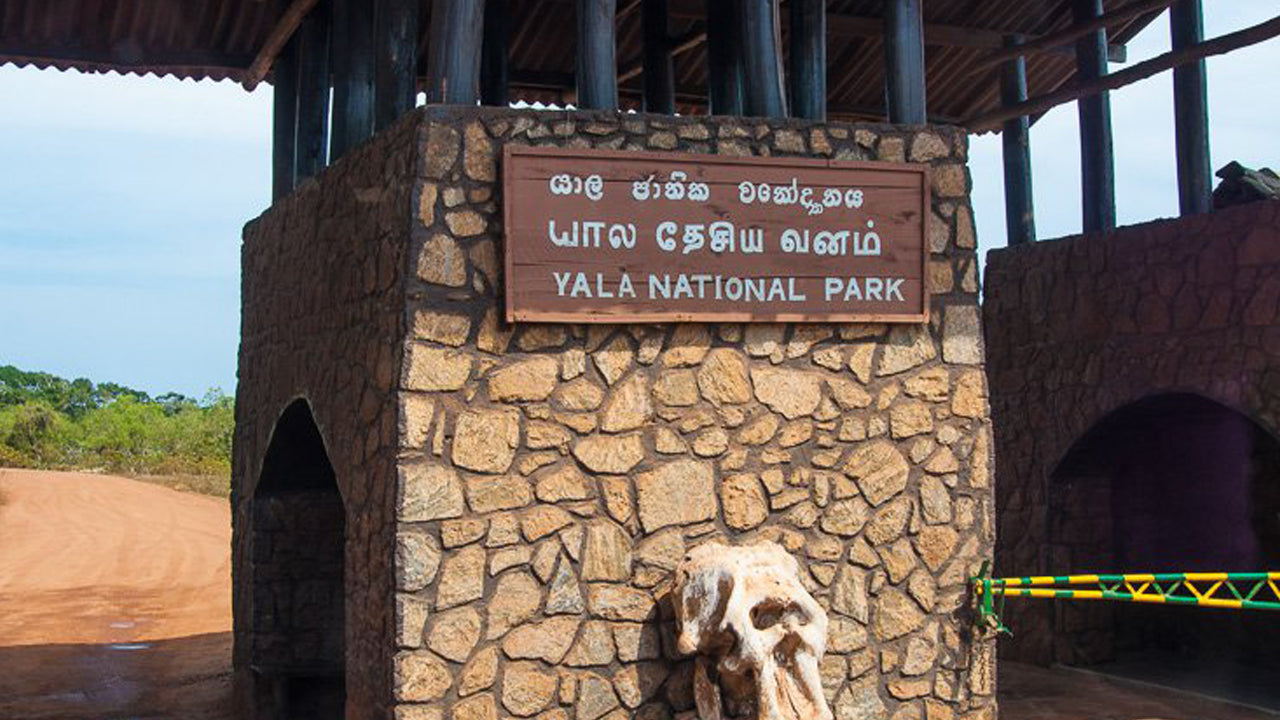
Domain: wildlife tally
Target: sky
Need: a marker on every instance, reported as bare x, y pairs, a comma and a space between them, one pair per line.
122, 200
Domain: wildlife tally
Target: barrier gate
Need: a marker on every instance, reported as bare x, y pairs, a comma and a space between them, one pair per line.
1238, 590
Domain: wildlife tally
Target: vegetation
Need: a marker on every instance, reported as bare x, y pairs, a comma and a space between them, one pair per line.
53, 423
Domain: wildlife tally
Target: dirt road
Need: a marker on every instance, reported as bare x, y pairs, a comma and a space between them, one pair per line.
114, 598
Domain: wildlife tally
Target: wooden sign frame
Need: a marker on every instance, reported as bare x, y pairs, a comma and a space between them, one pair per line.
514, 314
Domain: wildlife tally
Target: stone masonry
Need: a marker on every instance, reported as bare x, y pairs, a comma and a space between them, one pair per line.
542, 481
1081, 327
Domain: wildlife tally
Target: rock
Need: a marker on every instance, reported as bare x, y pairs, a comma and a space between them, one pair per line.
480, 707
636, 641
880, 470
525, 381
478, 156
845, 517
677, 493
920, 656
927, 146
465, 223
443, 328
860, 700
618, 602
895, 615
745, 505
607, 552
899, 559
420, 677
942, 462
908, 346
614, 359
579, 395
454, 634
931, 384
442, 262
961, 335
509, 557
891, 149
910, 418
541, 435
764, 339
760, 430
548, 640
860, 358
689, 344
564, 598
441, 151
628, 406
492, 337
434, 369
792, 393
711, 443
486, 440
411, 619
502, 492
461, 578
456, 533
540, 521
950, 181
844, 636
417, 560
515, 600
594, 645
428, 492
526, 689
617, 497
563, 482
970, 397
848, 394
849, 593
636, 684
935, 499
541, 337
479, 673
676, 388
416, 412
889, 522
935, 545
667, 442
788, 141
613, 454
980, 460
723, 377
595, 697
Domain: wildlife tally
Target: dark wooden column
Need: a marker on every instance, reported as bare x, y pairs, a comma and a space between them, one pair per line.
659, 80
284, 121
395, 53
808, 78
761, 59
1019, 210
351, 61
494, 56
453, 57
724, 58
1191, 112
312, 46
597, 77
904, 61
1097, 160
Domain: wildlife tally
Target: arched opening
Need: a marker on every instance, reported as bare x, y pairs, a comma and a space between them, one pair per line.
1170, 483
299, 531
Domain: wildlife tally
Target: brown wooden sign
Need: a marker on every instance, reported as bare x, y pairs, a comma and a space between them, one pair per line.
613, 236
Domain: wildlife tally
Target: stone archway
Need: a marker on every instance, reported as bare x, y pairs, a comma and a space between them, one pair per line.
298, 537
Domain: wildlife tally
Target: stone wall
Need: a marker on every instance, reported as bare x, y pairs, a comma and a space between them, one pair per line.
1080, 327
551, 476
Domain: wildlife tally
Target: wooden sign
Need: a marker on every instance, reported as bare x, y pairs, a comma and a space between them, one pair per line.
612, 236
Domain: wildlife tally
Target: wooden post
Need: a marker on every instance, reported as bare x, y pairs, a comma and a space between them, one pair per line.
1019, 210
494, 56
761, 59
659, 80
312, 151
597, 78
1097, 159
284, 121
809, 59
724, 59
1191, 112
904, 61
453, 57
395, 53
351, 61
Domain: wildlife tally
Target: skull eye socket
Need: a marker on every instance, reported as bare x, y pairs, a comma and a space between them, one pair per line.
773, 611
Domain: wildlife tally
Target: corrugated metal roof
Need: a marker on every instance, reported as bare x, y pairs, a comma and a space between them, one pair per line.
218, 39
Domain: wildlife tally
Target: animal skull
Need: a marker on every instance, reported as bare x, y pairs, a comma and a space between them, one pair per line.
759, 634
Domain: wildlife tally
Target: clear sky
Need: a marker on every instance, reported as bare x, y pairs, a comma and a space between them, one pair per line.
122, 200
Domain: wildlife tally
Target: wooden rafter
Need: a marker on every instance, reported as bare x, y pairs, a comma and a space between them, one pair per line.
1060, 38
279, 37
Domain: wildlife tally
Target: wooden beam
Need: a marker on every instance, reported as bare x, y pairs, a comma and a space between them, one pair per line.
280, 34
678, 46
495, 56
453, 57
659, 78
395, 53
1191, 112
808, 57
758, 27
724, 59
597, 75
312, 43
1097, 152
1056, 40
1143, 70
284, 124
351, 61
1019, 208
904, 61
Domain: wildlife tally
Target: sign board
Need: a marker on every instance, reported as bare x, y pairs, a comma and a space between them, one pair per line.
616, 236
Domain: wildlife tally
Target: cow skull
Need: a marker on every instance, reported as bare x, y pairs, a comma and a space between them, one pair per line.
758, 633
